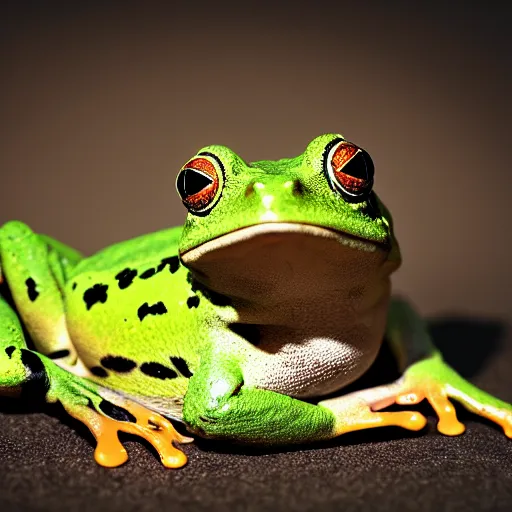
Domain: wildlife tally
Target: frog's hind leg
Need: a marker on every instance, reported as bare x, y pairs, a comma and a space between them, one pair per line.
104, 412
428, 377
35, 268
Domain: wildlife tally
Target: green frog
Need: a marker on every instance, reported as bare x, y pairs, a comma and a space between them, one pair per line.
244, 324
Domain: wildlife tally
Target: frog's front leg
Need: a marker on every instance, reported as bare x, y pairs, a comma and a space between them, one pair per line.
219, 405
35, 268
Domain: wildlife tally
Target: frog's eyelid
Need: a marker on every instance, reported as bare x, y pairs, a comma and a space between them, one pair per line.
218, 161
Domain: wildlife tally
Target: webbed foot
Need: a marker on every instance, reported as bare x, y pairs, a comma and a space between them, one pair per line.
113, 414
430, 379
433, 380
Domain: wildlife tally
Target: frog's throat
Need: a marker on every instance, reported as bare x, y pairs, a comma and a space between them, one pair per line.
247, 233
269, 265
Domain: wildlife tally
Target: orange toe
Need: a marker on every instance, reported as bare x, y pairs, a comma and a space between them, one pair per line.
152, 427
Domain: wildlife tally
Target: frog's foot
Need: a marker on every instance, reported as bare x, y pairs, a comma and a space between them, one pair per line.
109, 416
430, 379
106, 413
435, 381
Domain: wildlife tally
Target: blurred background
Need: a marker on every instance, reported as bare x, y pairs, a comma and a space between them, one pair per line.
102, 102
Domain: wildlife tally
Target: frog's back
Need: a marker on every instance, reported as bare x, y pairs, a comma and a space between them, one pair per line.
135, 319
133, 251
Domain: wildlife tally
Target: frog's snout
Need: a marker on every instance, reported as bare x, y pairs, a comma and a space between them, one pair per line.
295, 187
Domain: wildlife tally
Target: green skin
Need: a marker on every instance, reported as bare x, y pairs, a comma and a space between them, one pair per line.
141, 319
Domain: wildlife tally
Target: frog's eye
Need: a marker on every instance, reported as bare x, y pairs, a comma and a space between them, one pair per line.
199, 183
349, 170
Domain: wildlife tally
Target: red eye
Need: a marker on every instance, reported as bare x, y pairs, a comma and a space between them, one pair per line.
350, 170
197, 184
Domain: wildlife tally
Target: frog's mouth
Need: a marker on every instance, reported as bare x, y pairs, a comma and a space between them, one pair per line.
247, 233
280, 259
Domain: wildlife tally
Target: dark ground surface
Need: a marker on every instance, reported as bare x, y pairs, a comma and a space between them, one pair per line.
46, 461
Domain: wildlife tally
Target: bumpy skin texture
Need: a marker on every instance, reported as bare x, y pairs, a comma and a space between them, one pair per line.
276, 290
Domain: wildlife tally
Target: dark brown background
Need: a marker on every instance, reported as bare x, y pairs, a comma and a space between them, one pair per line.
102, 102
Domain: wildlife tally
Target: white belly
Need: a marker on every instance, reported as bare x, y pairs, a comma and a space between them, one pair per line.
316, 367
315, 361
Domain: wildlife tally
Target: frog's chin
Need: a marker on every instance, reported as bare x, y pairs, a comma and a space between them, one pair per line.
274, 261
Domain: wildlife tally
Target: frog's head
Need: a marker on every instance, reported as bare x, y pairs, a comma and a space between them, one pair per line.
306, 206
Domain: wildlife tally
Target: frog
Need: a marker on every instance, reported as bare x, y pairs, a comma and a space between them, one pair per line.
247, 324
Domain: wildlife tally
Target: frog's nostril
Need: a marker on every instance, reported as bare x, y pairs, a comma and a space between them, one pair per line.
253, 187
249, 191
297, 188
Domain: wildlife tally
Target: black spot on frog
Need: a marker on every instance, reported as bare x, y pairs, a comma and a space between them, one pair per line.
158, 371
181, 365
31, 289
99, 371
118, 364
95, 294
193, 302
115, 412
150, 272
155, 309
59, 354
173, 262
125, 278
37, 383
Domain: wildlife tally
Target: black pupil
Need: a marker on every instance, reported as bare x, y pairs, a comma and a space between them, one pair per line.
360, 166
191, 182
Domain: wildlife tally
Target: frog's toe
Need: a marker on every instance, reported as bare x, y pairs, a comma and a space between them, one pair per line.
492, 409
502, 418
437, 397
110, 415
